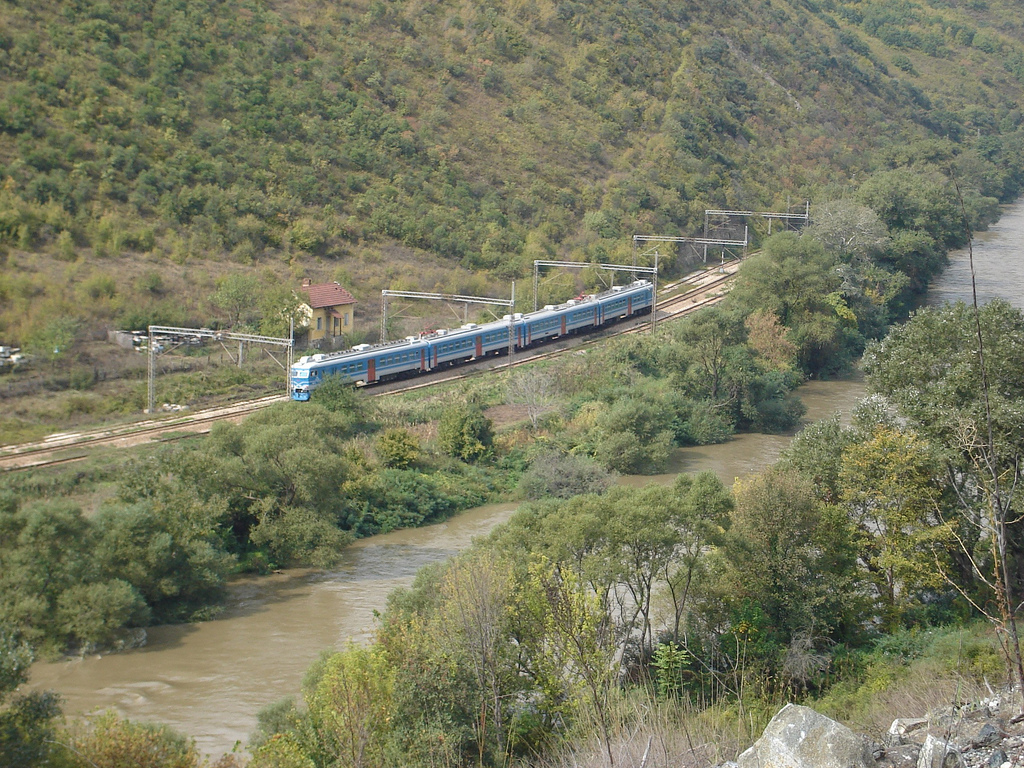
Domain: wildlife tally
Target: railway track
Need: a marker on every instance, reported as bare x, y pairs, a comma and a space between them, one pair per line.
42, 453
680, 298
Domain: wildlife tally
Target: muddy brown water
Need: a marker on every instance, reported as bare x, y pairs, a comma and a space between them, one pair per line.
998, 264
209, 680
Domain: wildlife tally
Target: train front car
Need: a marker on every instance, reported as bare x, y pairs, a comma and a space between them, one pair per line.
311, 370
300, 380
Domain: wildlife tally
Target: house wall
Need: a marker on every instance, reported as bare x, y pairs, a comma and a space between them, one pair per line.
323, 325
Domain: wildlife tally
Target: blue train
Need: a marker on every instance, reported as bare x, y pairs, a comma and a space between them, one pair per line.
366, 364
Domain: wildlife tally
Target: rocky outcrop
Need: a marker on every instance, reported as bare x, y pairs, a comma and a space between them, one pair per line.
987, 734
983, 735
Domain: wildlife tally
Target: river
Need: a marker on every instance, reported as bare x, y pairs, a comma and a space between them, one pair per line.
209, 680
998, 264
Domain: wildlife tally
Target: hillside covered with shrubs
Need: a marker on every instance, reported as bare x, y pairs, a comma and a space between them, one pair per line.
151, 148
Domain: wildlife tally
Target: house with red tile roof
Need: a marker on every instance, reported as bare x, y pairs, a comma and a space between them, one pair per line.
330, 310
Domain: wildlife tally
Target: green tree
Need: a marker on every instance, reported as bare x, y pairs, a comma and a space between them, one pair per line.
273, 464
955, 374
911, 200
26, 721
889, 487
463, 432
635, 436
337, 394
792, 278
642, 540
279, 309
816, 452
168, 550
397, 448
707, 338
110, 742
238, 295
788, 555
94, 613
43, 553
298, 535
852, 231
701, 504
350, 709
575, 649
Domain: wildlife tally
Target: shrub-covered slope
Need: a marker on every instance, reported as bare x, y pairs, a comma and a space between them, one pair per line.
476, 134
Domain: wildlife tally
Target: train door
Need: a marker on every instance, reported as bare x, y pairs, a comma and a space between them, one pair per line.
423, 360
371, 370
479, 346
563, 325
629, 306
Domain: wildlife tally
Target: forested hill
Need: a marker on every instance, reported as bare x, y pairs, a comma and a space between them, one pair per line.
463, 132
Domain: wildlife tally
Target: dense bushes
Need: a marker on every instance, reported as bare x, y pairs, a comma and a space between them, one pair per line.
290, 486
634, 400
68, 579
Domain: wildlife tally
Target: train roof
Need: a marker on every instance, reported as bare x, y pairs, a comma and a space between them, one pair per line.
469, 329
615, 290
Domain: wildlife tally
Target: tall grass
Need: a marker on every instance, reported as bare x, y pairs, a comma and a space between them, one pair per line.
659, 733
932, 673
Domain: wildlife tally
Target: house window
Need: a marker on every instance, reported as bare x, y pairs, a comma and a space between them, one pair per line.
319, 323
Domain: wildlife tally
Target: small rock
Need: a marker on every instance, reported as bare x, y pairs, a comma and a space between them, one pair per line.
902, 756
986, 736
903, 726
996, 759
131, 638
937, 753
